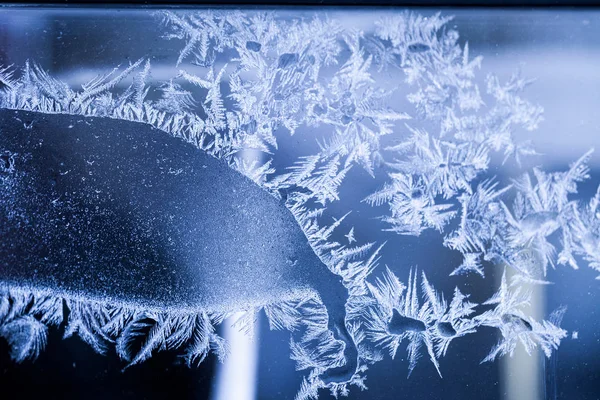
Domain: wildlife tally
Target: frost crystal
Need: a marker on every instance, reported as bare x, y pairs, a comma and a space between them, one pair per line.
515, 326
247, 78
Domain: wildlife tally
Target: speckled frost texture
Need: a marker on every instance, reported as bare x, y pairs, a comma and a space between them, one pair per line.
120, 211
138, 234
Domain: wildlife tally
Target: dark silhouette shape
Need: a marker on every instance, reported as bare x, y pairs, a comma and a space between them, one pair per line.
120, 211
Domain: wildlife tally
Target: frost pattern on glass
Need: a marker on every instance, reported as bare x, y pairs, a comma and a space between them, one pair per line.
274, 80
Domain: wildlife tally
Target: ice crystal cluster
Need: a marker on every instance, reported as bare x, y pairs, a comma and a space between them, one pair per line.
247, 79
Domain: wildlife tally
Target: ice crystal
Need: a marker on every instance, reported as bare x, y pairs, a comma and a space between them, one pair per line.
515, 326
399, 316
478, 226
24, 319
314, 177
412, 206
539, 210
585, 232
350, 236
26, 337
245, 79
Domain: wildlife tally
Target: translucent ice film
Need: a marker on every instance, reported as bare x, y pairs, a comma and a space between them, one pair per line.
300, 203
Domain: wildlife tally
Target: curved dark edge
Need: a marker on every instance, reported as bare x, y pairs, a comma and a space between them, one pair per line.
319, 3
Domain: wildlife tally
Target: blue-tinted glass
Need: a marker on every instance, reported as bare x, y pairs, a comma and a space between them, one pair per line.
299, 203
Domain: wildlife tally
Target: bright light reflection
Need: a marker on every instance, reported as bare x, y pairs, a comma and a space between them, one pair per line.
236, 377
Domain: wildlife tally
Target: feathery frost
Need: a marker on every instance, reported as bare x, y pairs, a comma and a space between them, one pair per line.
247, 78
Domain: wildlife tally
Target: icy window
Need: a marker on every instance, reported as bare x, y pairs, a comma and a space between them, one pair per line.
356, 142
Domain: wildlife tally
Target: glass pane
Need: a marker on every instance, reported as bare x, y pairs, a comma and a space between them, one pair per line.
299, 203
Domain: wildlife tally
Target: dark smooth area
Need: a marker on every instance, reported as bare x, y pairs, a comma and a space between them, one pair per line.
119, 210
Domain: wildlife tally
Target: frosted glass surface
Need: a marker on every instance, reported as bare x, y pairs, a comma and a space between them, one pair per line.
299, 203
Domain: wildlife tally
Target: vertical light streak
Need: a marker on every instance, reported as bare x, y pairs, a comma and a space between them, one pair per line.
522, 374
236, 377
